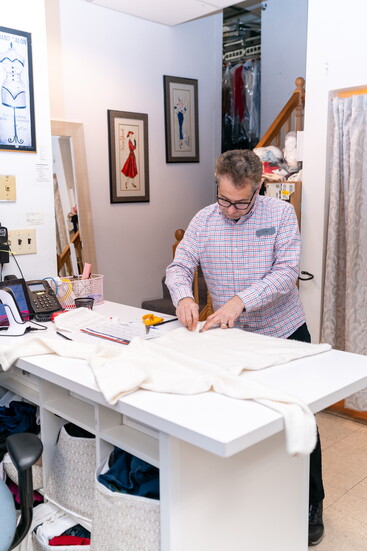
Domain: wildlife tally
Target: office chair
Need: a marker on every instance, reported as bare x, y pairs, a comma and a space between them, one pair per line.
24, 450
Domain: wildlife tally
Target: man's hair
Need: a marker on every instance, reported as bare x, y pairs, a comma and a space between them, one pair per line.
243, 166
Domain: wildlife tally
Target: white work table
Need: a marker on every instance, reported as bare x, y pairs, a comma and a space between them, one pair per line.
226, 479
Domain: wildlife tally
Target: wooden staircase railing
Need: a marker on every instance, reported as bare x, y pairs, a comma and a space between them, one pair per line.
290, 117
208, 308
64, 258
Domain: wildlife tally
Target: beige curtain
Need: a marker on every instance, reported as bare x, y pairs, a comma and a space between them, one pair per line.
344, 323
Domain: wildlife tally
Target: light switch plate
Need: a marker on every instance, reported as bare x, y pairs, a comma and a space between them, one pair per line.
22, 241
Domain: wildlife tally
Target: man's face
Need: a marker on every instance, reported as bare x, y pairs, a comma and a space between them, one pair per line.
228, 192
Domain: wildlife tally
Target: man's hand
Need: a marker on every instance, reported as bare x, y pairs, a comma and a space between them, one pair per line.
226, 315
187, 312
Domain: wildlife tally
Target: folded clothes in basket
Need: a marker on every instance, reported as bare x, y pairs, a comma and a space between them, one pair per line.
131, 475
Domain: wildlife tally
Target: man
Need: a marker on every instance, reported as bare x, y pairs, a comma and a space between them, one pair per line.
248, 247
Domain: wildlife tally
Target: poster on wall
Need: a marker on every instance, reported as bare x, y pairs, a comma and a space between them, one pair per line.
17, 129
181, 118
128, 154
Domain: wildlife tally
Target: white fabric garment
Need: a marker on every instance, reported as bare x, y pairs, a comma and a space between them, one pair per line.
184, 362
54, 526
53, 517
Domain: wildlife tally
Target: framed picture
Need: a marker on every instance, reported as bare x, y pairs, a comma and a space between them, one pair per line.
17, 129
128, 154
181, 117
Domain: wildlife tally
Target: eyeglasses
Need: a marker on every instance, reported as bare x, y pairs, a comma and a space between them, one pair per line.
240, 205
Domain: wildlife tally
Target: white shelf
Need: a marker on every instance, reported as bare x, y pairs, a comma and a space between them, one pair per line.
133, 441
21, 386
72, 410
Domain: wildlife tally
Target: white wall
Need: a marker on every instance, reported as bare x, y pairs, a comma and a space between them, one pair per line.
34, 196
283, 54
336, 55
101, 59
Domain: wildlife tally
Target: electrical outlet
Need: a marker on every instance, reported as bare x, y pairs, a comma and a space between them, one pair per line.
22, 241
7, 188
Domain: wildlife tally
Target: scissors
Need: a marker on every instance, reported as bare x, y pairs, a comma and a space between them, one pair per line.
151, 319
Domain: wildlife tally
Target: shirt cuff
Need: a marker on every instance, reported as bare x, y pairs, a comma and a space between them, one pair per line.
250, 299
180, 293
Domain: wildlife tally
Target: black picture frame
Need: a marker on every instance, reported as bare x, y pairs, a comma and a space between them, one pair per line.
181, 119
17, 123
128, 156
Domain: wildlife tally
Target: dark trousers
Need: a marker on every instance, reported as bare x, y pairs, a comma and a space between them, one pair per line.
316, 490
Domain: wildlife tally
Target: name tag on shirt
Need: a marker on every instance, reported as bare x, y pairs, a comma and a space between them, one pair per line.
265, 231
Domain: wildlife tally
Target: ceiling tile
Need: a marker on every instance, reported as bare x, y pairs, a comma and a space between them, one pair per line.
167, 12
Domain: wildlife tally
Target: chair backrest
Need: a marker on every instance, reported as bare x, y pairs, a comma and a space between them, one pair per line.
24, 450
208, 308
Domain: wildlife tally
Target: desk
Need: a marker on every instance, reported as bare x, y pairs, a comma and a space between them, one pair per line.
226, 479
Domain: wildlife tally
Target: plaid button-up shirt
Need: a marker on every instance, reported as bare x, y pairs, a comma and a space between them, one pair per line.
255, 258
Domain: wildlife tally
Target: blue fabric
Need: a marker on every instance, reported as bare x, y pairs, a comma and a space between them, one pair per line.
18, 417
77, 531
131, 475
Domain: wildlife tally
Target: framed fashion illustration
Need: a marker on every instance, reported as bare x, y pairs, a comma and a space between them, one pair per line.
128, 156
17, 128
181, 118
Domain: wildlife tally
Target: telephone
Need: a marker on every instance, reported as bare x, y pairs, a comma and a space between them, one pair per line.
34, 299
42, 299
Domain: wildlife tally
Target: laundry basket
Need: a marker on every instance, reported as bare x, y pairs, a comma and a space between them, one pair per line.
70, 482
12, 473
133, 521
48, 522
50, 526
70, 288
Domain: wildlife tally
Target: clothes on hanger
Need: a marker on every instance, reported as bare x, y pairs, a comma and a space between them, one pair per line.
241, 105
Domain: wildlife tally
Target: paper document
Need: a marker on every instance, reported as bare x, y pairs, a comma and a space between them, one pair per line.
98, 325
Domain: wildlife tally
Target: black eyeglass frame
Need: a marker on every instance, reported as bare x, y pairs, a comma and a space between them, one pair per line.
245, 204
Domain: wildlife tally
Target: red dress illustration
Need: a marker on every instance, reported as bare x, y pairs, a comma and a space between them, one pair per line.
130, 169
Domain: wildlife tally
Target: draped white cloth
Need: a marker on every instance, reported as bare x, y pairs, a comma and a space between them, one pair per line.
182, 362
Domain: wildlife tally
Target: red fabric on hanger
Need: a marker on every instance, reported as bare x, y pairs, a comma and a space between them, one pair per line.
238, 94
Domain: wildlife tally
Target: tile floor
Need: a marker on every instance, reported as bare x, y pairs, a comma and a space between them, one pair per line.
344, 445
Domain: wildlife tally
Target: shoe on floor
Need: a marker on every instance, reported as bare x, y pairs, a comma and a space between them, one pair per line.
315, 524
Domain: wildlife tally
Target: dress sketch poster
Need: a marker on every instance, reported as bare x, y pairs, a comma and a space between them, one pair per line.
181, 117
17, 129
128, 152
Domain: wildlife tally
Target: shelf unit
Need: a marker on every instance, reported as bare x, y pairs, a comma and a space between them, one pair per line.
59, 406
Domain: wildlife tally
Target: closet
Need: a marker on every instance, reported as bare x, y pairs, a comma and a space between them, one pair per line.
241, 76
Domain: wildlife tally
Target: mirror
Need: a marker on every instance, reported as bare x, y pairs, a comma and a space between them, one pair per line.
74, 229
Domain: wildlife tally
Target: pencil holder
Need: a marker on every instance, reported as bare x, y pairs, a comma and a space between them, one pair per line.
70, 288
